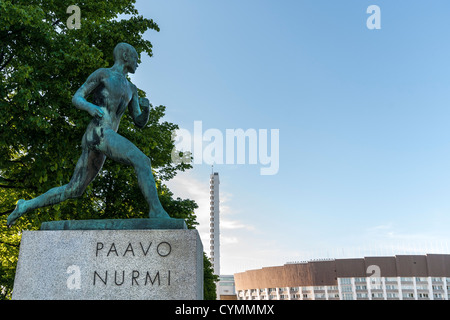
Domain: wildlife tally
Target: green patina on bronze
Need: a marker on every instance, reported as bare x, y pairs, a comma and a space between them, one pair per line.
111, 94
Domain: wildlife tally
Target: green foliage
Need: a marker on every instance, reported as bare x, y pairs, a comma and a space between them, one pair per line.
42, 64
209, 279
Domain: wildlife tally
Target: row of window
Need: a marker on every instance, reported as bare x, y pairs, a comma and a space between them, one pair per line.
408, 288
345, 288
395, 287
395, 279
345, 296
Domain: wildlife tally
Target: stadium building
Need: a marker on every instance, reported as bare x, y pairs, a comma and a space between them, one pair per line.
401, 277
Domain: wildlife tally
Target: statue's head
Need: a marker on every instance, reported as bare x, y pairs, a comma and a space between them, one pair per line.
126, 54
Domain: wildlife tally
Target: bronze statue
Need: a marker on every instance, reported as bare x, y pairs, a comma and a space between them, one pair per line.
111, 93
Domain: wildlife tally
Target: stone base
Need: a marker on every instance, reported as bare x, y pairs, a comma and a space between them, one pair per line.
115, 224
110, 264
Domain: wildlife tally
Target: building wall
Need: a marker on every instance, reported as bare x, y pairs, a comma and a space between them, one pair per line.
409, 277
226, 288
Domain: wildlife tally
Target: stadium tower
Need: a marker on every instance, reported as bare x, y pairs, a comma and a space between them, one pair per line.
214, 222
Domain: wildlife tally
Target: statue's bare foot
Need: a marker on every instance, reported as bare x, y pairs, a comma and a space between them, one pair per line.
16, 214
161, 214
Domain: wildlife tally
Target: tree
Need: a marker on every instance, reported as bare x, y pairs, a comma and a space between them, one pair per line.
209, 279
42, 64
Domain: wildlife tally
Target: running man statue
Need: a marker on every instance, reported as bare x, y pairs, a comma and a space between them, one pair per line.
111, 94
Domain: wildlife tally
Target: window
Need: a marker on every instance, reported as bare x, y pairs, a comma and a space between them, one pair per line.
229, 284
406, 279
421, 279
361, 288
319, 288
421, 287
392, 295
407, 287
376, 287
332, 288
348, 296
361, 295
408, 295
375, 281
391, 287
346, 280
346, 289
423, 295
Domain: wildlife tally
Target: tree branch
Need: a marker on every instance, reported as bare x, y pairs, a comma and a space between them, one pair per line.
8, 180
57, 21
6, 212
17, 187
11, 32
6, 63
11, 187
2, 55
10, 244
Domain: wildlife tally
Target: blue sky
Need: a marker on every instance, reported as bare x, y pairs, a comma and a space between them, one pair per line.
363, 118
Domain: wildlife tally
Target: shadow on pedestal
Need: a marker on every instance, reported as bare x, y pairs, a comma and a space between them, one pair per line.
116, 224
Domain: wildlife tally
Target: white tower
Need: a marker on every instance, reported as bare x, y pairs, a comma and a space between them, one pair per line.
214, 222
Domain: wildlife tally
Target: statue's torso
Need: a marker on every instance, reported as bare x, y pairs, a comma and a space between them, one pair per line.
113, 95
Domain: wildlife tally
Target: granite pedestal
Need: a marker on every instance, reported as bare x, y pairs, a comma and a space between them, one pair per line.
110, 264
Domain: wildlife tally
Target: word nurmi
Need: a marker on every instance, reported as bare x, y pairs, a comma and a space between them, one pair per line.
135, 277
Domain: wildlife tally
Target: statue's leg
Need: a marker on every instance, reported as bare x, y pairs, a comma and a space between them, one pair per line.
86, 169
120, 149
